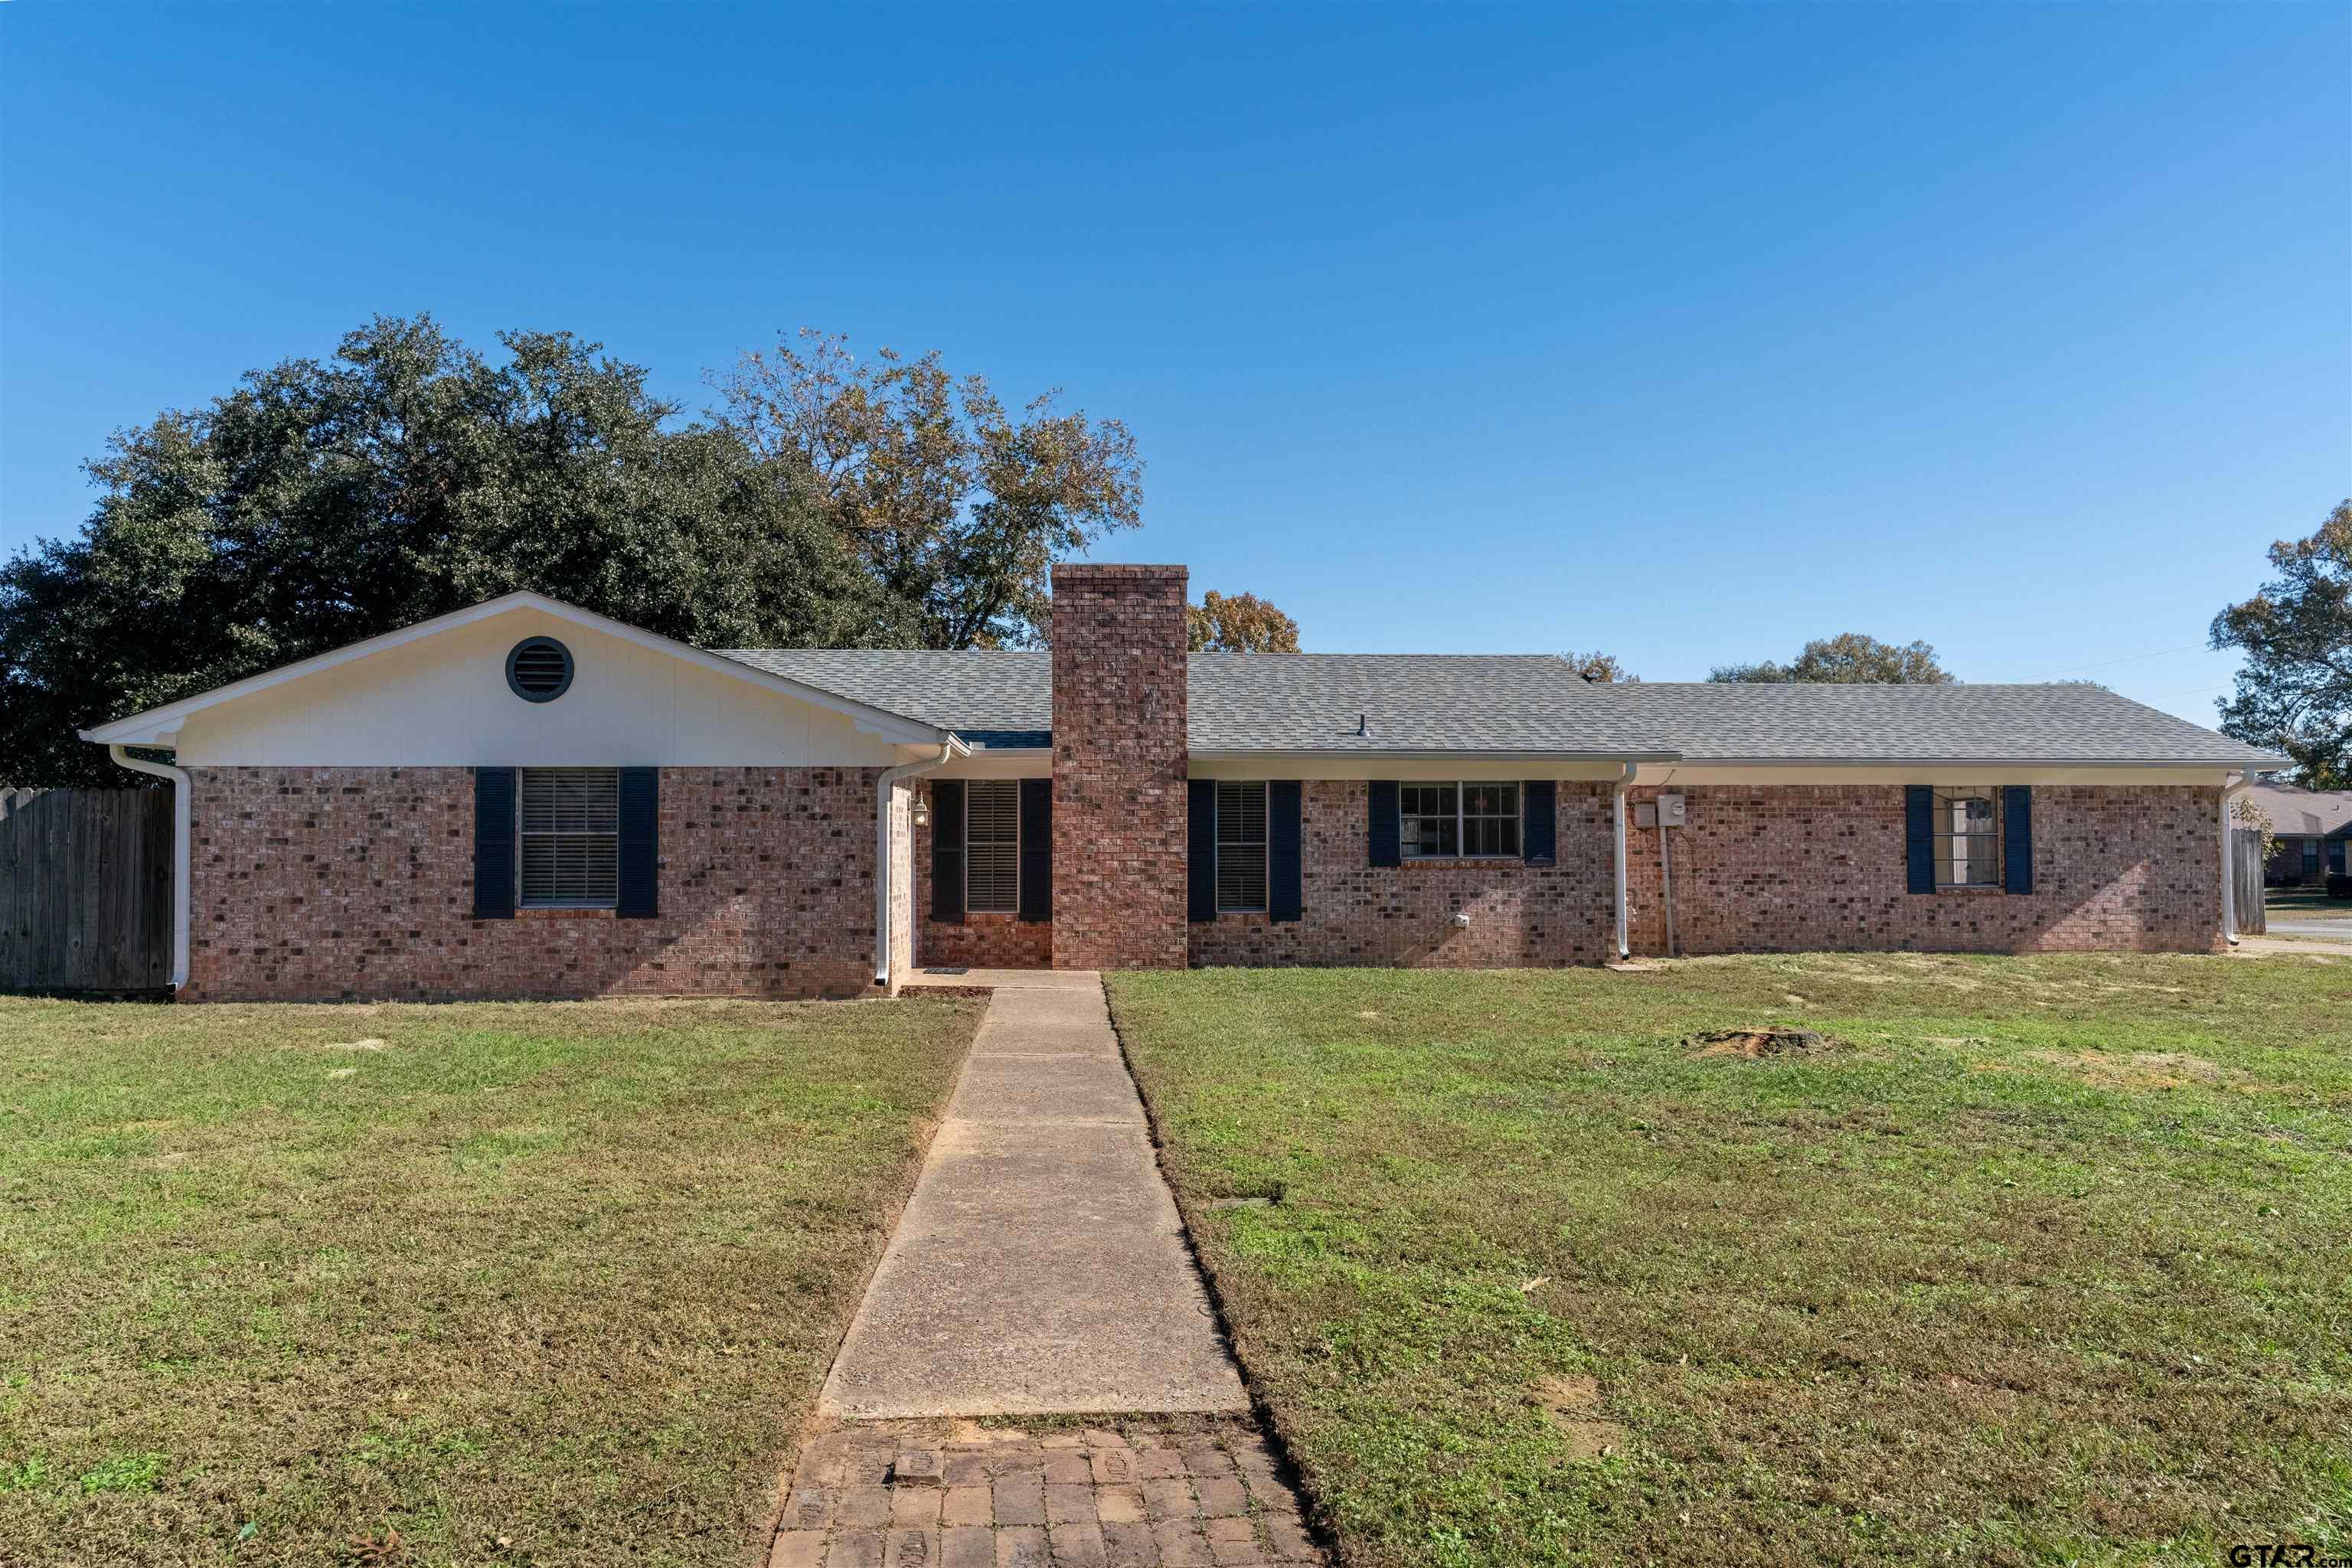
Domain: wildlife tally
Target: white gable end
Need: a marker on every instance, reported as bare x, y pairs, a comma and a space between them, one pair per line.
443, 700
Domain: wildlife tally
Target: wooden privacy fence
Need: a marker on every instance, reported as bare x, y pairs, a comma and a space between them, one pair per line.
85, 889
2246, 880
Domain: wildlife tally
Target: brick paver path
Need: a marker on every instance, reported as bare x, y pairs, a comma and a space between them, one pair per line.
1039, 1279
1184, 1492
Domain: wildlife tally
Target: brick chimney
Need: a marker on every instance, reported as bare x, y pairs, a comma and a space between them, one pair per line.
1119, 767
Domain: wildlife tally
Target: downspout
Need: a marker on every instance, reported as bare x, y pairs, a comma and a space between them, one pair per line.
889, 785
2230, 794
181, 834
1617, 815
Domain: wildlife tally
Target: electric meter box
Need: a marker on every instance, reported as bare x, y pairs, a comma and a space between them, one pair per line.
1670, 811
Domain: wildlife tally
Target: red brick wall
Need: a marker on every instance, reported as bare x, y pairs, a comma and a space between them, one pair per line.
1119, 767
977, 941
1519, 915
349, 883
1795, 868
1760, 869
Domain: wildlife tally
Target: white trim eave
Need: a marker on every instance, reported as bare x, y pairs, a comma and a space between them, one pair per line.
151, 727
1352, 753
1000, 762
2209, 764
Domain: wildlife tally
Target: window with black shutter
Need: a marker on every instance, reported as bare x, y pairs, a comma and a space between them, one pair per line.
568, 838
991, 846
1241, 847
1462, 820
1967, 839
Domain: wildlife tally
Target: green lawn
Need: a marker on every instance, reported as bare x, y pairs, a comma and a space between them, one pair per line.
2305, 904
2044, 1260
528, 1284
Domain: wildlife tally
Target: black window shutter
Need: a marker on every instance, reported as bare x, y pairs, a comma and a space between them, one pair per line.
1386, 846
1919, 838
494, 844
1036, 849
1539, 834
946, 850
638, 895
1200, 850
2017, 839
1285, 892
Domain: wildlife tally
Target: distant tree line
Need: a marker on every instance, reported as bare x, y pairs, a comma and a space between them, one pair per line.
1849, 660
2293, 695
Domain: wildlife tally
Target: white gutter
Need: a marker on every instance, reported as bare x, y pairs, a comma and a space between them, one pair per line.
1617, 813
2014, 765
2230, 794
948, 749
1418, 754
180, 838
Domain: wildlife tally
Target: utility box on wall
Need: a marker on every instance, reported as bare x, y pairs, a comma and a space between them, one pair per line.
1670, 811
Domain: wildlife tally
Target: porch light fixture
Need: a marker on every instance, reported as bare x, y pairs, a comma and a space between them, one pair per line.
922, 812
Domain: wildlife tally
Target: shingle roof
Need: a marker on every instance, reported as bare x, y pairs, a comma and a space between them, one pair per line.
2304, 812
1797, 722
1531, 705
1007, 693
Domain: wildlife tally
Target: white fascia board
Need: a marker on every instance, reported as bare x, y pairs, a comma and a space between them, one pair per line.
2014, 762
155, 726
1351, 753
998, 762
1414, 766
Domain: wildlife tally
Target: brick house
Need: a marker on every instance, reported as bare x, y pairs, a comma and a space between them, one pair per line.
2311, 832
524, 799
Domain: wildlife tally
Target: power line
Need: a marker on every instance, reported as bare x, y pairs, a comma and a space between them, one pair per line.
2128, 659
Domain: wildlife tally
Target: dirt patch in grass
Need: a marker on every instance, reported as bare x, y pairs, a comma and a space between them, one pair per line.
2143, 1069
1754, 1045
1572, 1404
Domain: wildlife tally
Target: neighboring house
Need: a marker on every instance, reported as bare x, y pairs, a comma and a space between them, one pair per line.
2311, 830
524, 799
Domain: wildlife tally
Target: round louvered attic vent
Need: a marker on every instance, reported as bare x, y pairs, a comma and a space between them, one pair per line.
538, 669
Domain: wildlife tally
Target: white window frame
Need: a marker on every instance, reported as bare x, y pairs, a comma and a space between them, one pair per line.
1946, 837
1265, 863
1462, 816
524, 834
970, 791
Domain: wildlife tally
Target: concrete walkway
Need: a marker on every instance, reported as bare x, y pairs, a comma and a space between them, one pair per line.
1041, 1267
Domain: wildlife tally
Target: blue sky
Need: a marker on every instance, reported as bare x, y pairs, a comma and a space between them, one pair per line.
1683, 331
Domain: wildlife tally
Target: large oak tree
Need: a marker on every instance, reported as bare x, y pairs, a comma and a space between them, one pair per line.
958, 505
324, 502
